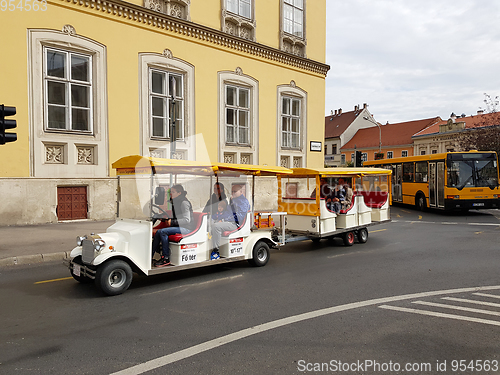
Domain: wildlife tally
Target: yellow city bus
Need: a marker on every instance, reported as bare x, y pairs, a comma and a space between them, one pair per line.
447, 181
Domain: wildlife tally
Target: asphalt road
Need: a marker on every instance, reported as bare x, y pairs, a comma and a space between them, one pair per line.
423, 292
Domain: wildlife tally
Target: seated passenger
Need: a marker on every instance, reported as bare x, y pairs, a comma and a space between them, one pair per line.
222, 213
232, 217
337, 198
348, 194
181, 222
218, 196
325, 190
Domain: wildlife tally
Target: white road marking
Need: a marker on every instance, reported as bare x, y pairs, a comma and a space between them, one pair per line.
441, 315
461, 308
194, 350
472, 301
486, 295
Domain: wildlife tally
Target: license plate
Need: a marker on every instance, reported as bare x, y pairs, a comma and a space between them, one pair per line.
477, 204
76, 269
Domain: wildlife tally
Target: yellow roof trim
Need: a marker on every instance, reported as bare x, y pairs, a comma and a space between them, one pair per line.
129, 164
339, 172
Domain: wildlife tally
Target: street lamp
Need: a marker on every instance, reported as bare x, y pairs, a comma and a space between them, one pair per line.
379, 132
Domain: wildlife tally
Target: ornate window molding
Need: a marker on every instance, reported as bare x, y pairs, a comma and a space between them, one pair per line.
174, 8
293, 155
238, 18
169, 25
54, 152
292, 27
239, 153
169, 65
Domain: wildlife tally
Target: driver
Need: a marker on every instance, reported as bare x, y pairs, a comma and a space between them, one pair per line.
181, 222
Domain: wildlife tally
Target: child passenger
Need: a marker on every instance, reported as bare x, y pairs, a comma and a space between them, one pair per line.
221, 213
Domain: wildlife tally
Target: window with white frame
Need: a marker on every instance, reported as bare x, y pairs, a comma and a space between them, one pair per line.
364, 156
293, 17
68, 90
164, 86
389, 154
237, 114
290, 122
352, 157
68, 104
342, 159
242, 8
292, 32
404, 153
238, 18
238, 128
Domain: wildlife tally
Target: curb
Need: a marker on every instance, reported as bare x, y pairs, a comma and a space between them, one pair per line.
32, 259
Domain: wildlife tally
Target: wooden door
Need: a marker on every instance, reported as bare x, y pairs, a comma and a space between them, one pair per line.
71, 202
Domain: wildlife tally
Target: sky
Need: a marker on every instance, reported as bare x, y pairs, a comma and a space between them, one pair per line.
412, 59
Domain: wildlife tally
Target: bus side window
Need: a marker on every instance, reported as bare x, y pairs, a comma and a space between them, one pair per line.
421, 171
407, 172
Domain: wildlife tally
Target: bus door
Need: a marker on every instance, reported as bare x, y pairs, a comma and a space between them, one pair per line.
397, 174
436, 184
440, 183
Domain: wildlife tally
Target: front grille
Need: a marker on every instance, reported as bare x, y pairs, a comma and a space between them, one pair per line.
87, 251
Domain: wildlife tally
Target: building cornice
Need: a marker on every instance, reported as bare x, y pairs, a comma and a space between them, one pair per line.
184, 28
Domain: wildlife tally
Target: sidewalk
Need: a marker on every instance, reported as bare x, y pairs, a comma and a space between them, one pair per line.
44, 243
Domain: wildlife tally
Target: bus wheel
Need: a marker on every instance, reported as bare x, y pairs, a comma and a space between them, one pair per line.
363, 235
420, 202
348, 238
316, 240
80, 279
114, 277
260, 254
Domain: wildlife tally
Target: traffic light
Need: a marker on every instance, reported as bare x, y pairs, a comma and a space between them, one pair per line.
7, 124
357, 159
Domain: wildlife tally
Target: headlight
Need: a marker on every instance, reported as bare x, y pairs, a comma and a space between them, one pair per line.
99, 245
79, 240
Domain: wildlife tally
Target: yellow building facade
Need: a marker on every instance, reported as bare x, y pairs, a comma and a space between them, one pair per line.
96, 80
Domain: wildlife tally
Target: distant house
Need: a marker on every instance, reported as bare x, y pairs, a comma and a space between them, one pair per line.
442, 136
396, 139
340, 127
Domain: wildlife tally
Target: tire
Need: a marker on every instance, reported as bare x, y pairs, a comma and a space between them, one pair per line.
113, 277
260, 254
80, 279
316, 240
363, 235
420, 202
348, 238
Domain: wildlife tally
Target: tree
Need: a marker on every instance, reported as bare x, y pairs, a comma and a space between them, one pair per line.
484, 134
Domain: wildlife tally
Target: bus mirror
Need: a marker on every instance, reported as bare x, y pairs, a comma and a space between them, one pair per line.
160, 196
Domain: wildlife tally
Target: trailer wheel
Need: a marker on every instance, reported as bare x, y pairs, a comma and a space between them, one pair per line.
363, 235
80, 279
113, 277
260, 254
348, 238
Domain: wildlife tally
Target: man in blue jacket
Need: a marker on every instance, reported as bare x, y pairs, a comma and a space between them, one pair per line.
233, 216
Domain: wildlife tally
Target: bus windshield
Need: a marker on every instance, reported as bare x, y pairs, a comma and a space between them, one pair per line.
472, 173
